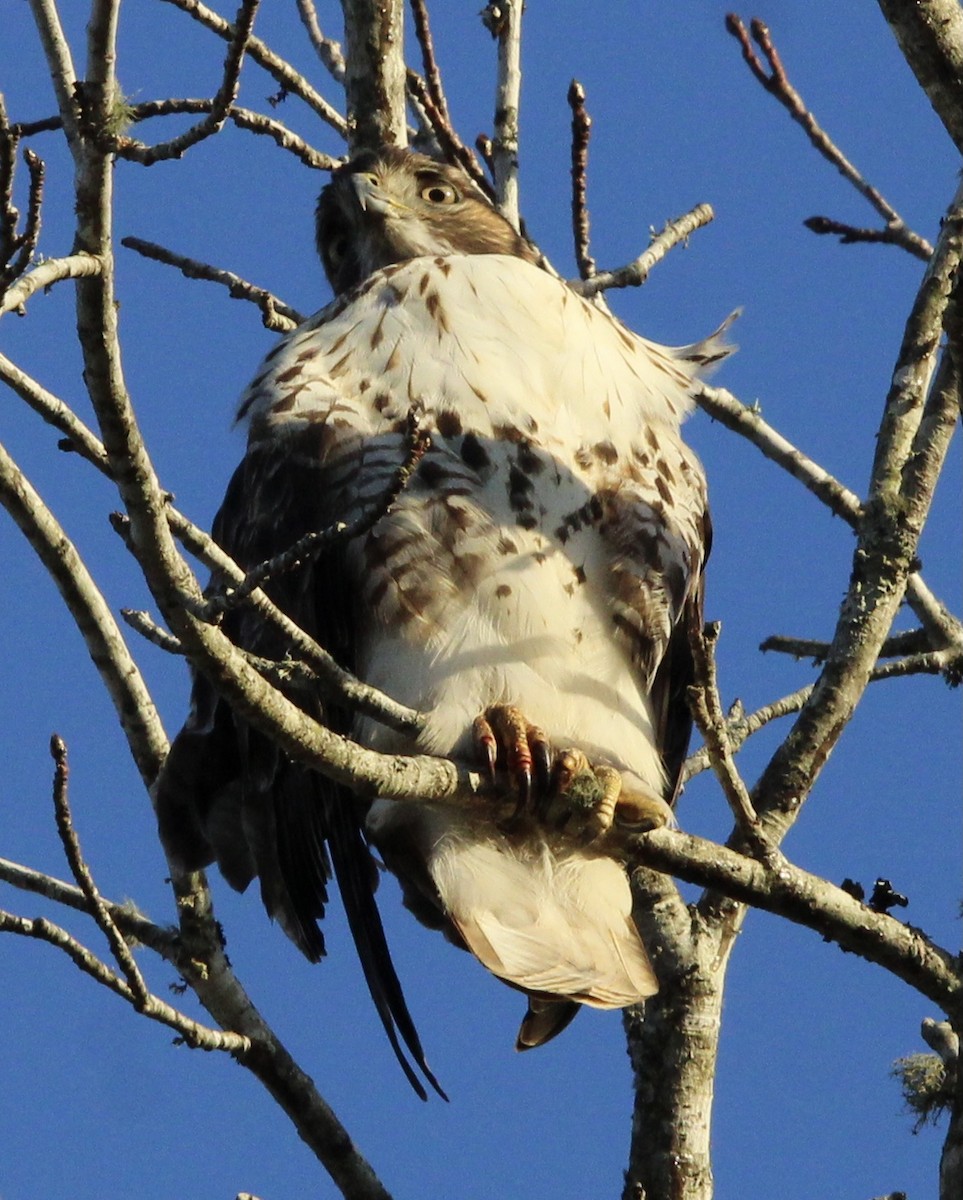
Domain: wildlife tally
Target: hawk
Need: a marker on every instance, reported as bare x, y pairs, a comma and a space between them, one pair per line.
527, 592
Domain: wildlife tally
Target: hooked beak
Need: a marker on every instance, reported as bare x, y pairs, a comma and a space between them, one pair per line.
371, 197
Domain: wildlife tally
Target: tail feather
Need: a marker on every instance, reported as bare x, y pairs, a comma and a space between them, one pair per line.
705, 355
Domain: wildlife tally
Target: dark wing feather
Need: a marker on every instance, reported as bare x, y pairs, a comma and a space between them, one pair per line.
228, 794
674, 677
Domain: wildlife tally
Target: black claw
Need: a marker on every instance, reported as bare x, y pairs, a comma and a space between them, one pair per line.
524, 789
542, 758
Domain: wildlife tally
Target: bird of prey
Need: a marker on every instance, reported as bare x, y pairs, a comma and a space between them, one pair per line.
528, 593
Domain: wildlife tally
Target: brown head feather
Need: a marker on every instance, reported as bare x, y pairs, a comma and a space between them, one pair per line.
391, 205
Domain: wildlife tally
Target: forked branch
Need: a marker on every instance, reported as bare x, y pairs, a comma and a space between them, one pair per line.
777, 84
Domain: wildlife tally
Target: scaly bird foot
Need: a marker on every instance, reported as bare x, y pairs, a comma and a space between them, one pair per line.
587, 800
505, 739
562, 791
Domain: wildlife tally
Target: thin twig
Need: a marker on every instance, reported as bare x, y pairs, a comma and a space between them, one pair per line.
453, 149
944, 629
293, 82
192, 1032
312, 544
85, 880
31, 234
436, 92
9, 213
850, 235
948, 663
144, 624
224, 98
912, 641
635, 273
243, 118
21, 245
581, 132
707, 713
739, 728
327, 50
777, 84
132, 923
275, 314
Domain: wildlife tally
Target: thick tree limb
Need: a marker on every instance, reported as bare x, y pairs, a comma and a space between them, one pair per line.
374, 79
888, 533
808, 900
504, 22
930, 36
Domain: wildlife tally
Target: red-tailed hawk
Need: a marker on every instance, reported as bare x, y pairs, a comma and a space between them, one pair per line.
527, 592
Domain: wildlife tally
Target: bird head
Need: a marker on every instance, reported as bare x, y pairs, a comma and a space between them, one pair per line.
390, 205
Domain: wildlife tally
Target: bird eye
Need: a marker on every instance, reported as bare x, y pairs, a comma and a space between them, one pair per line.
336, 249
439, 193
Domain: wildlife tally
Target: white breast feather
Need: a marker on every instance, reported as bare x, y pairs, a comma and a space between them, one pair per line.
503, 345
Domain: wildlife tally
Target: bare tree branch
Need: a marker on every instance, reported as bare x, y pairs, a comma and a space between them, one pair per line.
707, 713
17, 249
220, 106
914, 641
52, 271
292, 81
133, 924
886, 546
132, 701
504, 21
328, 50
581, 132
140, 994
722, 406
374, 79
808, 900
740, 727
244, 118
275, 314
930, 35
193, 1033
637, 271
778, 85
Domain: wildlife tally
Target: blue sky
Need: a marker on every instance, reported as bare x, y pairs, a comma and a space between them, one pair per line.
96, 1101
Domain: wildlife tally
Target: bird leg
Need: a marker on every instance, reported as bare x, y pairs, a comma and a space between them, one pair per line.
562, 791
